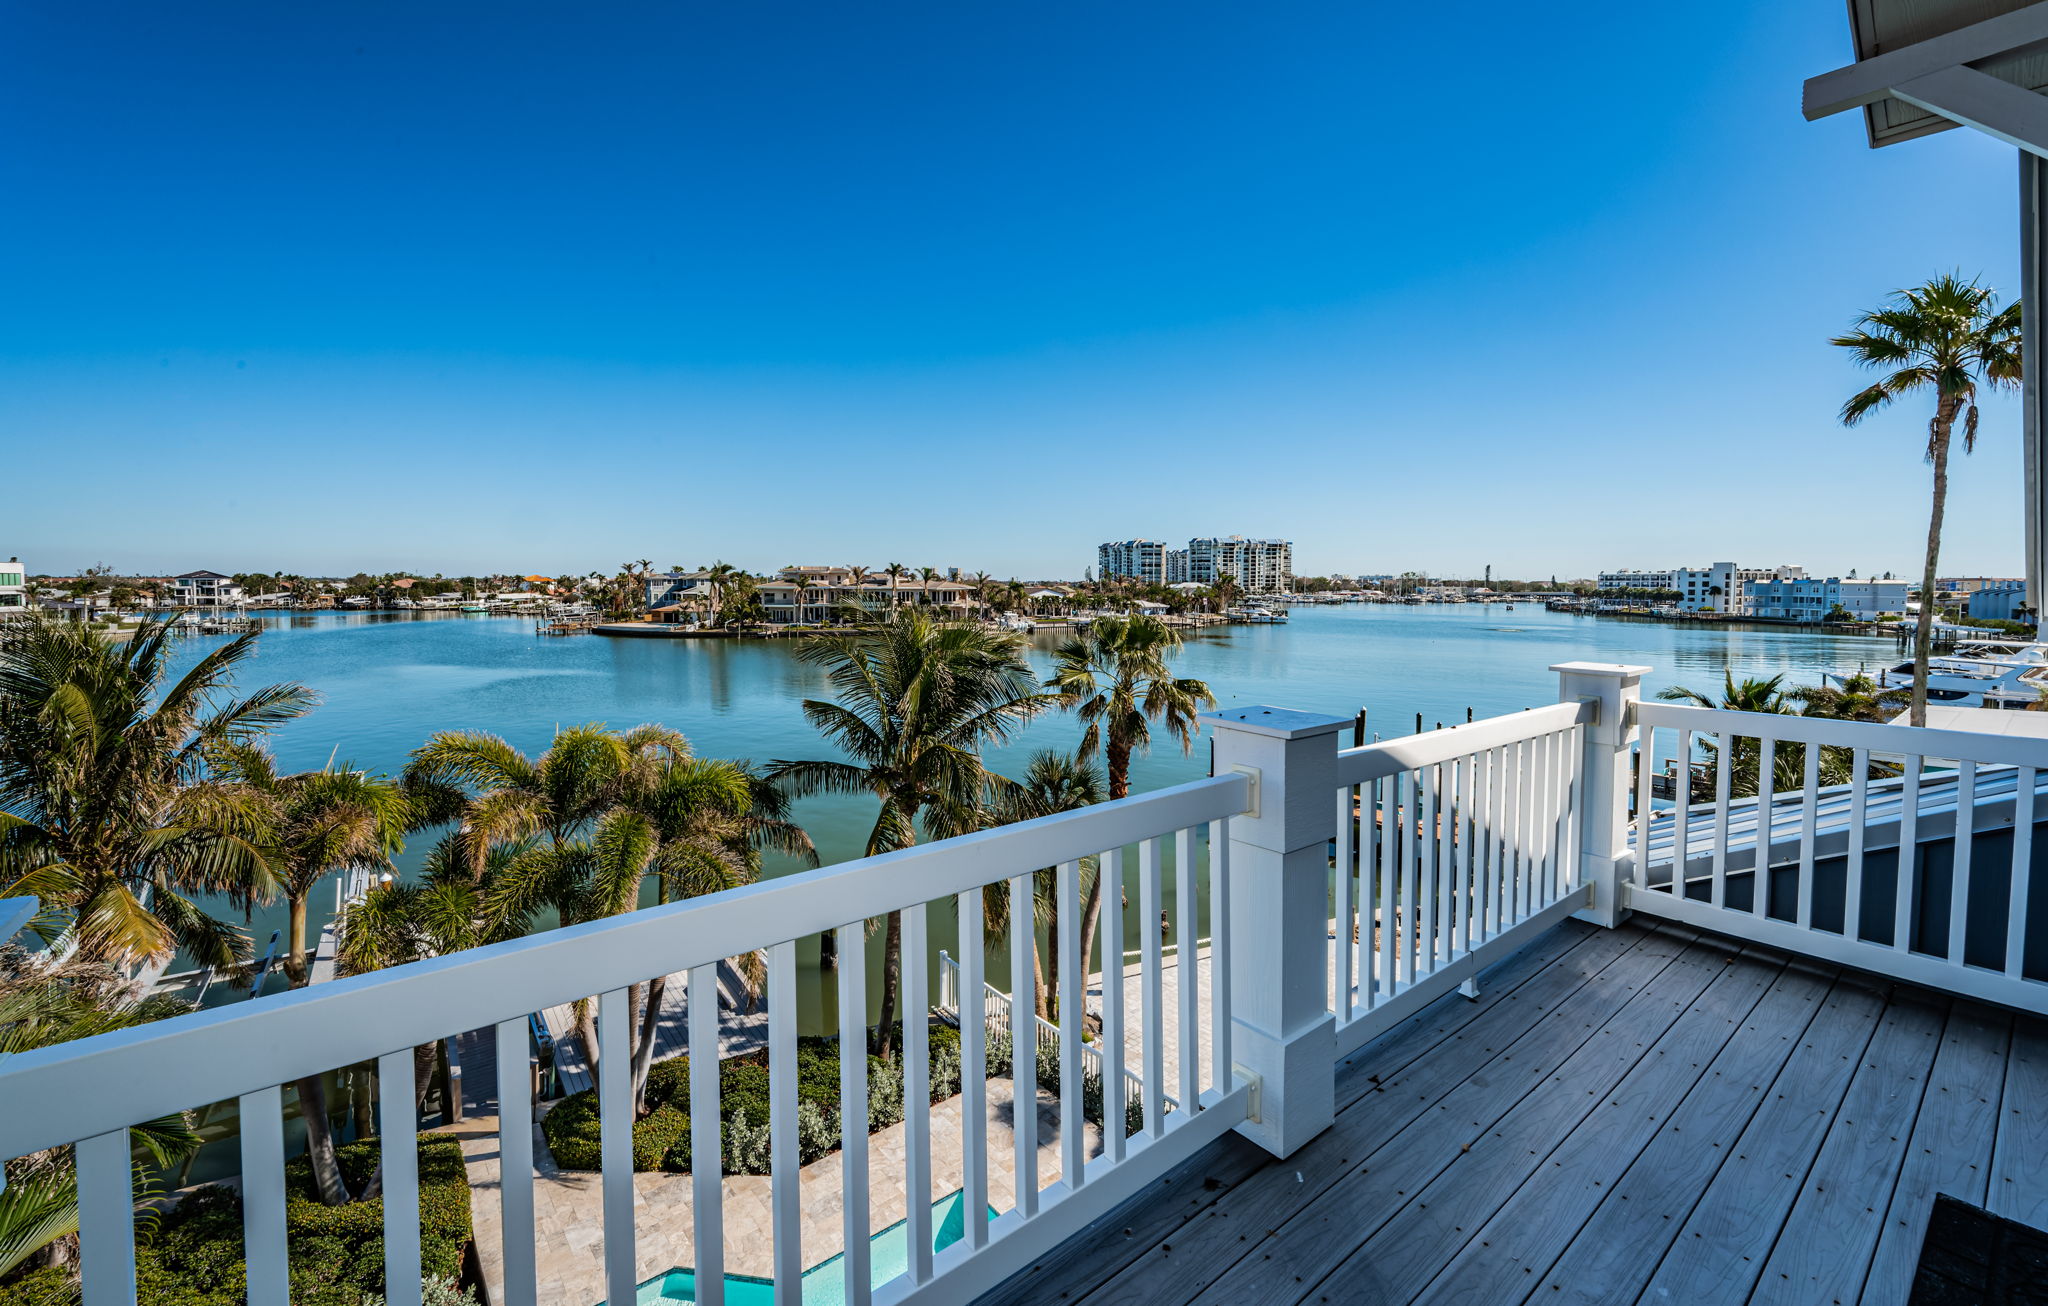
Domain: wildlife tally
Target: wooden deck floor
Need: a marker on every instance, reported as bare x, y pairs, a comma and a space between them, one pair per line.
1633, 1115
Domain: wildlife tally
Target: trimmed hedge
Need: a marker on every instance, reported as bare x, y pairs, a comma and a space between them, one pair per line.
661, 1139
337, 1252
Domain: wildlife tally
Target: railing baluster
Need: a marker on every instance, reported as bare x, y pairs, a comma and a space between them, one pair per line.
1859, 813
1023, 1051
1066, 890
1112, 949
1522, 808
515, 1161
106, 1218
1412, 781
1909, 853
1152, 1033
1344, 1003
974, 1068
1766, 785
397, 1128
917, 1095
1959, 877
1809, 807
1547, 821
1368, 892
1441, 832
2022, 871
1724, 744
1681, 819
853, 1112
1461, 854
1219, 956
707, 1159
1186, 928
1382, 933
785, 1163
1426, 848
1575, 760
1646, 762
615, 1139
263, 1230
1491, 850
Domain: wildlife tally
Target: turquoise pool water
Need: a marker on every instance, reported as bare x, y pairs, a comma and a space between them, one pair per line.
825, 1282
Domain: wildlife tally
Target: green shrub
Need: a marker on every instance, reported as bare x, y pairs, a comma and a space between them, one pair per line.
336, 1252
48, 1286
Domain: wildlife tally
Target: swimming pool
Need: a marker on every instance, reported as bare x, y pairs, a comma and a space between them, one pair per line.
825, 1282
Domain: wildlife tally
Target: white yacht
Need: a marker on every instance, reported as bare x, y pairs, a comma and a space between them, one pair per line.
1983, 673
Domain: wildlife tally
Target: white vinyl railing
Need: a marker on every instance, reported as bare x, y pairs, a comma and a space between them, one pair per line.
1451, 847
89, 1093
1901, 851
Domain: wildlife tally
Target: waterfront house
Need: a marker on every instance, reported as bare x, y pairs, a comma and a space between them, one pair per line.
1813, 598
204, 589
13, 589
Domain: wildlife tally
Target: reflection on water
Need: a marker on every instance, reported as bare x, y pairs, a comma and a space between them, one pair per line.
388, 680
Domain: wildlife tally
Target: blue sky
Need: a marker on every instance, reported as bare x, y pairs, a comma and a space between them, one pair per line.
326, 286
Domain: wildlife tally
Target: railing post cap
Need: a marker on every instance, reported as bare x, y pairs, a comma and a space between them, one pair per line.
1617, 670
1277, 722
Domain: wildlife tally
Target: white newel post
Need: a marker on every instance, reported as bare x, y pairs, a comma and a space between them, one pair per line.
1614, 689
1282, 1030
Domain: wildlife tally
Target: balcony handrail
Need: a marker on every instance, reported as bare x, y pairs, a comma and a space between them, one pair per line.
1878, 737
81, 1090
1369, 762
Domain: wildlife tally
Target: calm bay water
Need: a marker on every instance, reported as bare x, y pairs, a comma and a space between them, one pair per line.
387, 681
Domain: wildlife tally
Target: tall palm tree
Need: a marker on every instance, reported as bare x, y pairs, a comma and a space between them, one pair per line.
711, 823
333, 819
1943, 339
586, 852
1117, 676
718, 577
1054, 782
895, 572
916, 701
45, 1001
109, 809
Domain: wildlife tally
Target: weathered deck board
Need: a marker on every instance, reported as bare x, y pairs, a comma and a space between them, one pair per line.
1950, 1150
1638, 1115
1614, 1252
1521, 1240
1147, 1227
1830, 1236
2019, 1157
1296, 1255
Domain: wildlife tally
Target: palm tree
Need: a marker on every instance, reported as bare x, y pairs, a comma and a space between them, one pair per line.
717, 577
585, 851
894, 571
1945, 338
916, 701
1054, 782
1858, 698
333, 819
45, 1001
109, 810
1116, 676
711, 823
447, 908
1768, 697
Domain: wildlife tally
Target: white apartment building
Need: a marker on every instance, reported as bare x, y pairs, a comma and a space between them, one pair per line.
1260, 566
1811, 598
1141, 560
1635, 580
204, 589
1723, 587
13, 588
1176, 566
